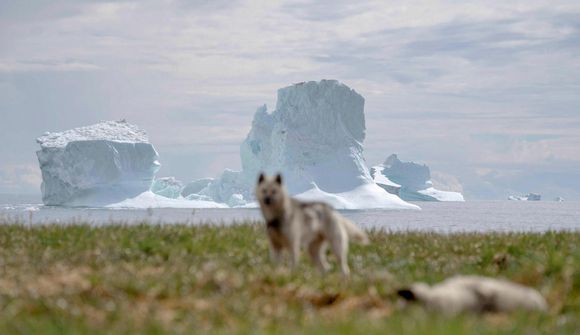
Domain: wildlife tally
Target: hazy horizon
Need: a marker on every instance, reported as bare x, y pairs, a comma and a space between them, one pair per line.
484, 93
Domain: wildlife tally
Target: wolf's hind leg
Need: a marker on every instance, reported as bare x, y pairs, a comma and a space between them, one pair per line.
316, 249
339, 246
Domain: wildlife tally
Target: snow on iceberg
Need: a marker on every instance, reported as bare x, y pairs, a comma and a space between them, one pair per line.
315, 139
410, 181
149, 199
96, 165
369, 195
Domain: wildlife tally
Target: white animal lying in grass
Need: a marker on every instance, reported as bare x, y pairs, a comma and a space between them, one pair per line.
475, 294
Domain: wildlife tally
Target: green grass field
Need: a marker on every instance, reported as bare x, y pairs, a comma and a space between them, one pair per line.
153, 279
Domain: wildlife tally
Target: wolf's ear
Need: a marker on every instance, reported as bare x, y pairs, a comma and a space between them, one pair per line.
279, 179
407, 294
261, 178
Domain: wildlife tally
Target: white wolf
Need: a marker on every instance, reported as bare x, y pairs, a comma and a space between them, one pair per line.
475, 294
292, 224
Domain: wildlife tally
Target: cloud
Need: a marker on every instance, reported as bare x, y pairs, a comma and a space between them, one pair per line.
19, 178
461, 86
446, 182
46, 66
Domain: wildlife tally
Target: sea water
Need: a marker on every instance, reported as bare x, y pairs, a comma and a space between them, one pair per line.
446, 217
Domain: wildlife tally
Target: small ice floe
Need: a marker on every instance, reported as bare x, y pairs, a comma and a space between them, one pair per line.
527, 197
475, 294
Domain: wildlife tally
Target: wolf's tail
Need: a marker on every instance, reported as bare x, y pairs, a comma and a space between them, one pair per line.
354, 232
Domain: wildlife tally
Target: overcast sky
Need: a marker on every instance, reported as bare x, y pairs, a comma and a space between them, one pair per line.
487, 94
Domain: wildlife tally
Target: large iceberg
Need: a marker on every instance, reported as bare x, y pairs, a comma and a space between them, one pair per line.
96, 165
410, 181
108, 164
315, 139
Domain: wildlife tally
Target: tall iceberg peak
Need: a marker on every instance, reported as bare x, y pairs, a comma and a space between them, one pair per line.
96, 165
314, 135
314, 138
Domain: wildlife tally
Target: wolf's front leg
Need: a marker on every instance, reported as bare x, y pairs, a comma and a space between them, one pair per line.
294, 252
276, 254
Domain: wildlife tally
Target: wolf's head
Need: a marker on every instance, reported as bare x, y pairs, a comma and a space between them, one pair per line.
270, 191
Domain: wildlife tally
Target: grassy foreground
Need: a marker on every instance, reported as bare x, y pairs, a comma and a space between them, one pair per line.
152, 279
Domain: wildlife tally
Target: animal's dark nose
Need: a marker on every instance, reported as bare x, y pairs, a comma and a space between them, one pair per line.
267, 200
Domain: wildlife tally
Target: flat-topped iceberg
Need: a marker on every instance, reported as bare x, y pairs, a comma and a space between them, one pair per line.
108, 164
96, 165
410, 181
314, 138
